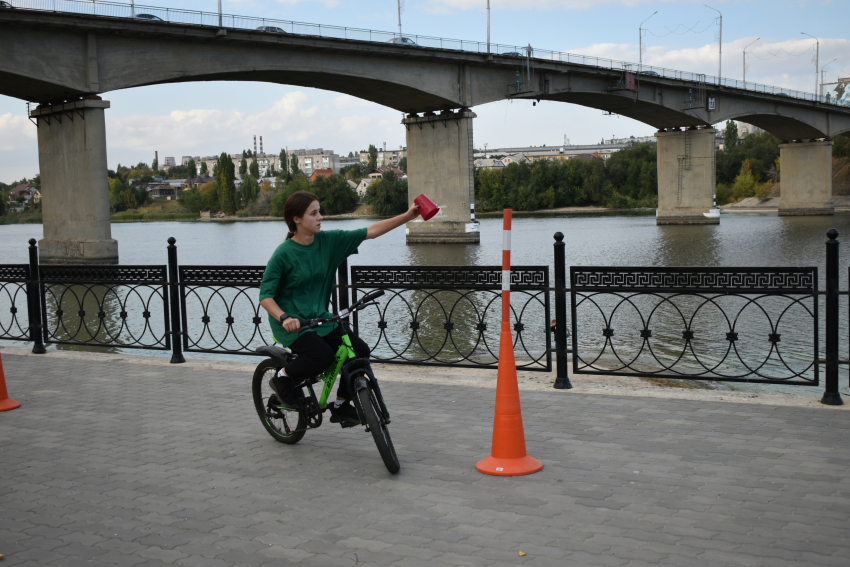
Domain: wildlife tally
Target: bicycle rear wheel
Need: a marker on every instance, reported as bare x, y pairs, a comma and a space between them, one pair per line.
380, 433
285, 425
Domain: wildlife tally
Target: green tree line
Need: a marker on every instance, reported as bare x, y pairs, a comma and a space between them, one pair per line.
627, 179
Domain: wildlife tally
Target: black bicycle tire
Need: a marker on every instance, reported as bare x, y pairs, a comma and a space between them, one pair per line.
380, 433
260, 406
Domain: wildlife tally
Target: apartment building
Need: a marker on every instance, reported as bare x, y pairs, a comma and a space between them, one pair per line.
310, 160
386, 158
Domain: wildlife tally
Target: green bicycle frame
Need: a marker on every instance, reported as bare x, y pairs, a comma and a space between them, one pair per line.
344, 353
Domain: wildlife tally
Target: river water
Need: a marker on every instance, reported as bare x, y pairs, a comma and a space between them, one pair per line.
741, 239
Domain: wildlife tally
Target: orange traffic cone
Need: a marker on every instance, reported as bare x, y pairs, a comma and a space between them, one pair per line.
508, 456
6, 403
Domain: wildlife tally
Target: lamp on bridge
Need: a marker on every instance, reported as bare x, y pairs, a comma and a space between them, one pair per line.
817, 54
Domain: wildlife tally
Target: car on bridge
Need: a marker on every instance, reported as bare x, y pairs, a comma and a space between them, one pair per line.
6, 5
270, 29
650, 73
402, 41
149, 17
512, 54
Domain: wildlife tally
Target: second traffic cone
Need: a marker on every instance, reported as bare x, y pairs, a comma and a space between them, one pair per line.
508, 456
6, 403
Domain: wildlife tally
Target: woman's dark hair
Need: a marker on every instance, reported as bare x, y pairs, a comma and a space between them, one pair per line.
296, 206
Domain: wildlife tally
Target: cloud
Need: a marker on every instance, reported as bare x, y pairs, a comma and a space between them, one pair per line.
787, 64
299, 118
16, 132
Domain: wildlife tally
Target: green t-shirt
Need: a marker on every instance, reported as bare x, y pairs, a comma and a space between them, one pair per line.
300, 278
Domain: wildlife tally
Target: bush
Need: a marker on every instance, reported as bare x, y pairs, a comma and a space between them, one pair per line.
262, 205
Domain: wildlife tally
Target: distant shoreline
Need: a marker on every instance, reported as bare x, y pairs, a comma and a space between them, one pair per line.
153, 217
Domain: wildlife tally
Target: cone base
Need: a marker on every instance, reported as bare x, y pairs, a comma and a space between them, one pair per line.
509, 467
9, 404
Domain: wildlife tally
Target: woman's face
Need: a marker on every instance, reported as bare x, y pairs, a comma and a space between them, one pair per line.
311, 222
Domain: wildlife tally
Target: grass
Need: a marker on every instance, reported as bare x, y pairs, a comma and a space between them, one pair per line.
132, 217
28, 217
157, 211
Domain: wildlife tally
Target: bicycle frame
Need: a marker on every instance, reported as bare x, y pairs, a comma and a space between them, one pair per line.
344, 353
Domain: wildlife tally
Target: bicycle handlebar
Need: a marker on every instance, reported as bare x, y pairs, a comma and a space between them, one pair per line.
365, 301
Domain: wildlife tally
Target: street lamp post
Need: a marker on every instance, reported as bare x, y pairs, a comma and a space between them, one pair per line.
488, 27
745, 60
817, 54
820, 92
399, 17
719, 44
219, 13
640, 43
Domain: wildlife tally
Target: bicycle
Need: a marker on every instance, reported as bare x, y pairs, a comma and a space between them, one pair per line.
357, 374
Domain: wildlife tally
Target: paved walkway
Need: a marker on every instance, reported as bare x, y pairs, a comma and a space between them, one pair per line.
122, 463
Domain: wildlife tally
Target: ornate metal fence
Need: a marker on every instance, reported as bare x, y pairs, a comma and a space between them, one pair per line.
220, 309
449, 315
14, 308
730, 324
110, 306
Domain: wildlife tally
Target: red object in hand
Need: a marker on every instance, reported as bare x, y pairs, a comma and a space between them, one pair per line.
427, 207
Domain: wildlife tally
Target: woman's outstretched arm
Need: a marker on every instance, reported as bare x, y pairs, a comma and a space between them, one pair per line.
382, 227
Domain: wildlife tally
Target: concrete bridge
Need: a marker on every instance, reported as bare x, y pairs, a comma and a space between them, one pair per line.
64, 61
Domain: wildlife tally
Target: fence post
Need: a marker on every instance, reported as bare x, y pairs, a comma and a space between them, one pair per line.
562, 379
34, 301
831, 397
342, 289
174, 302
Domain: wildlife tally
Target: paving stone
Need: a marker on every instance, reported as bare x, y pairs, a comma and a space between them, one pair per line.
177, 483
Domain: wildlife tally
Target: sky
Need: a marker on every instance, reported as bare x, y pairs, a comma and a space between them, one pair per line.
211, 117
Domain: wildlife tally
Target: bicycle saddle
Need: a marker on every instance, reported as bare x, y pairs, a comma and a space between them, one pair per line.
276, 353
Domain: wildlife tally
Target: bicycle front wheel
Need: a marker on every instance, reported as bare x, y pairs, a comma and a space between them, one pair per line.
380, 433
285, 425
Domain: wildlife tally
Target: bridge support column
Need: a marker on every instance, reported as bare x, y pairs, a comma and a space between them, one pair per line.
439, 164
686, 177
806, 179
74, 184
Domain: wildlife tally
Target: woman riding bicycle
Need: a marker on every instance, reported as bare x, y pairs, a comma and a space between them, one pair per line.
297, 285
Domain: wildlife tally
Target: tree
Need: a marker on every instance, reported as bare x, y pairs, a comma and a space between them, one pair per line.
299, 183
350, 154
191, 169
209, 196
203, 167
335, 195
155, 164
730, 135
841, 147
402, 164
272, 172
293, 166
191, 199
225, 180
254, 168
249, 189
388, 195
243, 166
282, 161
373, 158
3, 198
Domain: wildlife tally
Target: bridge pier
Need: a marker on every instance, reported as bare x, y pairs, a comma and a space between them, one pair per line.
806, 179
439, 164
686, 176
74, 183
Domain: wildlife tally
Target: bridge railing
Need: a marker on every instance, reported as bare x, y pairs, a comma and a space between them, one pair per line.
231, 21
